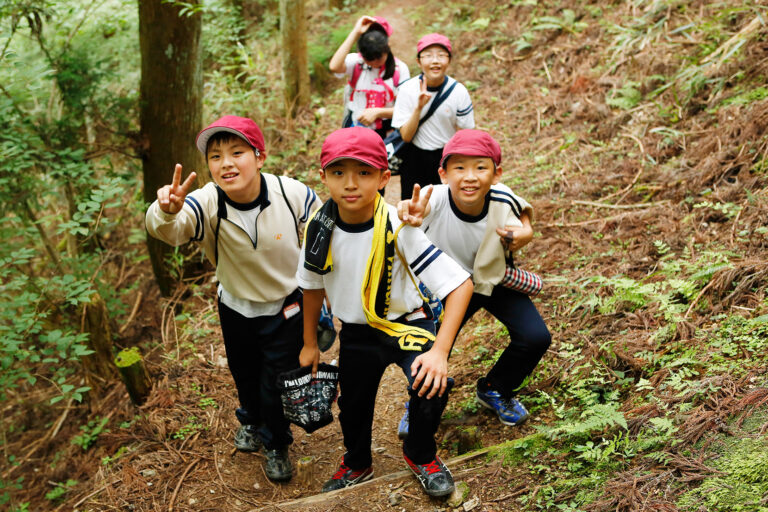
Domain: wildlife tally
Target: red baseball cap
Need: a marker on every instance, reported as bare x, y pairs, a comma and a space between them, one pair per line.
240, 126
472, 143
384, 24
359, 143
435, 38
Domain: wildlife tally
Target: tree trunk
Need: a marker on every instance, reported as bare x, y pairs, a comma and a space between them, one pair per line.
96, 324
171, 106
304, 470
134, 374
293, 30
469, 440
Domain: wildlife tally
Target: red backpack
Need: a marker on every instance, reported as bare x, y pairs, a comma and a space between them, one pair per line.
374, 99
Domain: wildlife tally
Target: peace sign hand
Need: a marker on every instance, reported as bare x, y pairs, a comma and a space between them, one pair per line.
171, 197
424, 96
413, 211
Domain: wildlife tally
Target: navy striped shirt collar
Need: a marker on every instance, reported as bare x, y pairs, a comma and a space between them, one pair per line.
470, 218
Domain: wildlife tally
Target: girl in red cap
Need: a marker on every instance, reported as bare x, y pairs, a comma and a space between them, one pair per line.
373, 75
419, 120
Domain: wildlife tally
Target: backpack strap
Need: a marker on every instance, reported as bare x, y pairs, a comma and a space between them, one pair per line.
395, 82
439, 99
356, 71
295, 222
221, 213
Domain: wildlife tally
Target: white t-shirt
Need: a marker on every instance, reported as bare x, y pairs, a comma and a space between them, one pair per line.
366, 83
350, 247
454, 114
459, 234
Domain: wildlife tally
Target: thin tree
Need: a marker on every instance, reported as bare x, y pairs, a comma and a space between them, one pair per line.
171, 104
293, 31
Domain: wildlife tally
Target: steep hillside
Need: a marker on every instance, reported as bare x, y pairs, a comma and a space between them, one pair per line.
638, 132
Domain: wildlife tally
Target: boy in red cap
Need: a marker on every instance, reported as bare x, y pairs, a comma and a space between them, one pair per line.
356, 254
248, 225
428, 129
465, 217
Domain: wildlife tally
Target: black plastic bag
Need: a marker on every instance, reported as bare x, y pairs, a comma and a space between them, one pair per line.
307, 401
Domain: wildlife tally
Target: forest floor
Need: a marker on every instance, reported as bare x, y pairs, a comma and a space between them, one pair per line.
624, 185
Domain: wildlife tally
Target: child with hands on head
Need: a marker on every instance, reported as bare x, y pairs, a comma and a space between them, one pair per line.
373, 74
479, 222
356, 254
248, 225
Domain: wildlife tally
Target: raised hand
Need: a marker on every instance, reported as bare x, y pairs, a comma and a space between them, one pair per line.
171, 197
424, 95
363, 24
412, 211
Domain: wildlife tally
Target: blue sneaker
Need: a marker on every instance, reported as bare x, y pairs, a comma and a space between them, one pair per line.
402, 427
509, 410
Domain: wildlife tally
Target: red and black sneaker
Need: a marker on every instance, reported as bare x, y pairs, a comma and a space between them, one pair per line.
434, 477
345, 476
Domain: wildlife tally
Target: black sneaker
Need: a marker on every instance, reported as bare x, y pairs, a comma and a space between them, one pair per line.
345, 476
246, 439
278, 466
434, 477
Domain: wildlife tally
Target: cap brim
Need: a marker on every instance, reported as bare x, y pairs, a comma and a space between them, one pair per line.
449, 155
205, 135
354, 158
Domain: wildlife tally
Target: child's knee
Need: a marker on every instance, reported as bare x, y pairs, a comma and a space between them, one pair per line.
535, 338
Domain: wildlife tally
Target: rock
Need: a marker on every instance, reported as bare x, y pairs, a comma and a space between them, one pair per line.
471, 504
459, 494
221, 362
394, 499
256, 486
192, 501
146, 473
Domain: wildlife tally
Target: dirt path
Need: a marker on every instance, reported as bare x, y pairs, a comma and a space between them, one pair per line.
404, 35
403, 45
326, 445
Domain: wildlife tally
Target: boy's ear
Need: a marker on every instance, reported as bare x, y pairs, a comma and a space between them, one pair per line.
384, 179
497, 175
322, 176
443, 176
260, 159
